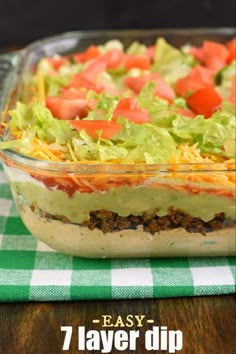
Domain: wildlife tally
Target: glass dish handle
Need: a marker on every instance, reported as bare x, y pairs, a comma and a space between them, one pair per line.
8, 74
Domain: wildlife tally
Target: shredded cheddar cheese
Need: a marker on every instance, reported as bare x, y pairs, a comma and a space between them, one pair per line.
41, 155
41, 88
72, 153
191, 154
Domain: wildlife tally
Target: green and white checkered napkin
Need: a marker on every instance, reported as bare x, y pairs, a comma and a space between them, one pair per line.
31, 271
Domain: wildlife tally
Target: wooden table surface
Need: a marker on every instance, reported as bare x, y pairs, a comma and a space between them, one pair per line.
208, 323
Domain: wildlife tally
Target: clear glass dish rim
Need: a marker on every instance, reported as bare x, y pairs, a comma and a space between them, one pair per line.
54, 166
102, 33
20, 161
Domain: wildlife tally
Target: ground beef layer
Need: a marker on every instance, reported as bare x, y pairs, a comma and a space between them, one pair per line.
108, 221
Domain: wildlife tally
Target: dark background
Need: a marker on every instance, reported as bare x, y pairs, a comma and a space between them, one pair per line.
23, 21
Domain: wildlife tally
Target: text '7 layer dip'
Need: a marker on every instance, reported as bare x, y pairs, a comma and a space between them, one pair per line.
127, 152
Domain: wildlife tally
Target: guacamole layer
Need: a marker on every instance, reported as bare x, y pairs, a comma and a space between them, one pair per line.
124, 201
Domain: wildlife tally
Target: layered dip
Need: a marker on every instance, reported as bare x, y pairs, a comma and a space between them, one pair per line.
127, 151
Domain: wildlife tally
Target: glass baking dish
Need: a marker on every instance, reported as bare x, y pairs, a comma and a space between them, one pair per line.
142, 210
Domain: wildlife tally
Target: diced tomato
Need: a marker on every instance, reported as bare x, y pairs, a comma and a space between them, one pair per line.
150, 51
141, 61
128, 108
63, 108
214, 55
204, 101
163, 90
114, 58
91, 53
232, 99
92, 126
57, 62
197, 53
196, 79
231, 46
136, 83
80, 80
73, 92
63, 183
186, 112
92, 71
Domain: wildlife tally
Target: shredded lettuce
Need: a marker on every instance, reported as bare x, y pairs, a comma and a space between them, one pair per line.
54, 82
160, 112
111, 44
223, 80
214, 135
145, 142
170, 62
224, 76
154, 142
113, 79
103, 110
98, 151
135, 143
147, 99
24, 145
36, 117
136, 48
